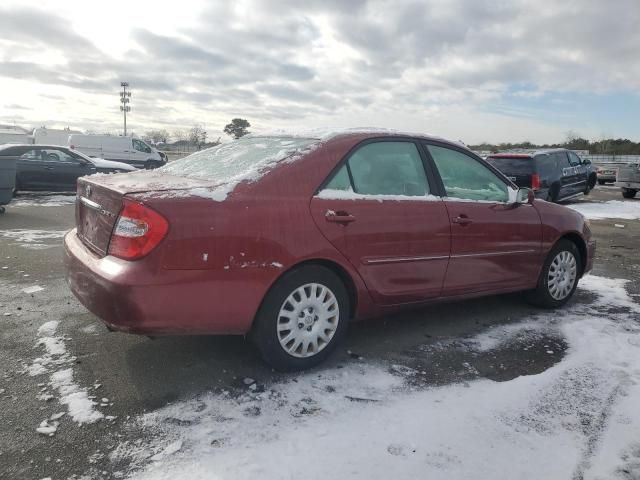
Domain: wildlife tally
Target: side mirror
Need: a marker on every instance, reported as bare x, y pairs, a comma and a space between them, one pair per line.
525, 195
586, 161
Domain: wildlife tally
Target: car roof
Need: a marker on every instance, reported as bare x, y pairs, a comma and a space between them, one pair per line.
360, 134
528, 154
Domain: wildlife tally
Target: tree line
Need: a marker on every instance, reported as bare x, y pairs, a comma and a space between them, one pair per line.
573, 141
196, 136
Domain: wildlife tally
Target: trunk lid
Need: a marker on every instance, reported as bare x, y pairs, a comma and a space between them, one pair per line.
99, 201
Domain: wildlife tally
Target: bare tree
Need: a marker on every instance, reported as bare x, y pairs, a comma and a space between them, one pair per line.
158, 135
197, 136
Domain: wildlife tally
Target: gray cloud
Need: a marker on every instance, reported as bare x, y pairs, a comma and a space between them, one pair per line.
271, 60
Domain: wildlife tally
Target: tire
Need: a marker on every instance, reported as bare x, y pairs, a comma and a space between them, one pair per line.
601, 182
554, 288
629, 192
552, 194
292, 349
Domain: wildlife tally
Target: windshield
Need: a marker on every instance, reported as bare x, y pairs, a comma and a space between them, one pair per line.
238, 160
513, 165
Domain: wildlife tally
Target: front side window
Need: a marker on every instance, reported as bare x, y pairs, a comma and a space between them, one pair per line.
44, 155
141, 146
466, 178
383, 168
574, 159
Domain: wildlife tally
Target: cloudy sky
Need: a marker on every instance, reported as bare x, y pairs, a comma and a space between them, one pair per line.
473, 70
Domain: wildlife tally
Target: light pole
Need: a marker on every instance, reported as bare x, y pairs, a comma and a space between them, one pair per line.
125, 97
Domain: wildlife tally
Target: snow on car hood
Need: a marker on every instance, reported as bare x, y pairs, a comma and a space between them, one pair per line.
101, 163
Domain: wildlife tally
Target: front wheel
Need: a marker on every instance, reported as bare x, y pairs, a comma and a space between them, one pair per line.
302, 318
629, 192
152, 164
601, 182
559, 276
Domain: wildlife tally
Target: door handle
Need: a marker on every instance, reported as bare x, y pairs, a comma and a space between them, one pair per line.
48, 168
339, 217
462, 220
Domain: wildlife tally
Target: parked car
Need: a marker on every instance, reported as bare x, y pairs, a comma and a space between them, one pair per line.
606, 173
8, 162
56, 168
121, 149
288, 238
553, 175
628, 179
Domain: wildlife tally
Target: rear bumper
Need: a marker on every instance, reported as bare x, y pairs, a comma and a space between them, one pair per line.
631, 185
591, 253
140, 298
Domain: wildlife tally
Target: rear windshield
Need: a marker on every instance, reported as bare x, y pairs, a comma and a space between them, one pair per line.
512, 166
238, 160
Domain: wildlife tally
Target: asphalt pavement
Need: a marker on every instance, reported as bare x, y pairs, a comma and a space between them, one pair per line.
129, 375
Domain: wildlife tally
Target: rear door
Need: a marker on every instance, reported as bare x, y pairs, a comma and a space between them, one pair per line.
378, 211
495, 244
31, 173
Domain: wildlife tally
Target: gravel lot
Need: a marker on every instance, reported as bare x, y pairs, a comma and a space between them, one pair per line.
132, 376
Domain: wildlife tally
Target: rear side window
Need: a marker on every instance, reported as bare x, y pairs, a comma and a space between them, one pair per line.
512, 166
546, 165
563, 160
466, 178
383, 168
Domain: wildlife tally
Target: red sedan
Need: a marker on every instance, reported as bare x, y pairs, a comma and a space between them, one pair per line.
288, 238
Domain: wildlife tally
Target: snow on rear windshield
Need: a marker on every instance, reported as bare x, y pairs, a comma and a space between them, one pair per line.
243, 159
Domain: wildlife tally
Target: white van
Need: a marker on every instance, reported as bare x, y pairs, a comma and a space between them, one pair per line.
52, 136
10, 134
120, 149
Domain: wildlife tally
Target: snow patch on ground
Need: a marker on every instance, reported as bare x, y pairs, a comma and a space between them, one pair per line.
629, 210
80, 407
43, 200
34, 239
578, 419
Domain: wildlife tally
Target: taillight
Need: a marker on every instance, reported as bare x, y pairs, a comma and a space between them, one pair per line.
138, 230
535, 182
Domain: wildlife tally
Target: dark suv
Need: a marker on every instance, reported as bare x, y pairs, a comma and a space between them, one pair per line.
553, 175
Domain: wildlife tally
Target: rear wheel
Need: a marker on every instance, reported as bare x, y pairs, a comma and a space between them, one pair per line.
601, 182
302, 318
559, 276
629, 192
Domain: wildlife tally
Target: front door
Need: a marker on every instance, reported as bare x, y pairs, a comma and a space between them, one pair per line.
140, 153
495, 244
377, 210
